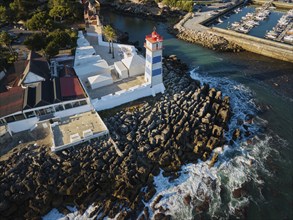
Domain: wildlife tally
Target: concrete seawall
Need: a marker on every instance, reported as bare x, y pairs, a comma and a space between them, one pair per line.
281, 5
257, 45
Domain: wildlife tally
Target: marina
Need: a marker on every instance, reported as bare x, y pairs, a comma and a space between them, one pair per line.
265, 21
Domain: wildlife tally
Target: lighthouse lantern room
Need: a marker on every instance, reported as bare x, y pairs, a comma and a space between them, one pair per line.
153, 66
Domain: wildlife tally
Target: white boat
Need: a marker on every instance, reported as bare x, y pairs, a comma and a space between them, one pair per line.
288, 39
243, 30
236, 11
272, 37
273, 33
259, 18
235, 24
219, 20
272, 7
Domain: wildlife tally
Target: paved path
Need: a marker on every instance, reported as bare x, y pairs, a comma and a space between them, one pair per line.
192, 21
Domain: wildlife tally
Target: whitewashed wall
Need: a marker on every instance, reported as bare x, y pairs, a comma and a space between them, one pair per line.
73, 111
22, 125
125, 96
29, 123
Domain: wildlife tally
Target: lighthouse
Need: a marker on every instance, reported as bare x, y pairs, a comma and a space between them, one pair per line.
153, 65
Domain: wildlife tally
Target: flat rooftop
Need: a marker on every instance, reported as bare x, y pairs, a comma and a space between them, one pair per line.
123, 84
103, 51
76, 127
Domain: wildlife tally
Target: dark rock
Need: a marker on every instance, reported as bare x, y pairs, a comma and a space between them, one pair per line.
159, 216
187, 199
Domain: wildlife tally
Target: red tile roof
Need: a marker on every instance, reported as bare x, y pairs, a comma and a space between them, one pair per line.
71, 87
154, 37
11, 101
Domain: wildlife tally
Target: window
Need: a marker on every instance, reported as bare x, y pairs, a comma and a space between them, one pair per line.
19, 117
30, 114
75, 104
68, 106
83, 102
59, 108
49, 110
42, 112
10, 119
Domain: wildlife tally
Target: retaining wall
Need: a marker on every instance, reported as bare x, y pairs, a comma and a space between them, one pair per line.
125, 96
282, 5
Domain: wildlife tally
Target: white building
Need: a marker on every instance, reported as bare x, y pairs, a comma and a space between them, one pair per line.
121, 70
134, 64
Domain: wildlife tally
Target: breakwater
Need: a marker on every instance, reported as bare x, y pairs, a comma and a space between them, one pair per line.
257, 45
209, 40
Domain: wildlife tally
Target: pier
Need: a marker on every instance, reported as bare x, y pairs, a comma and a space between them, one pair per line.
281, 36
252, 19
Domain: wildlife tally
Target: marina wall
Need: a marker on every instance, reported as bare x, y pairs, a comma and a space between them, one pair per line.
257, 45
281, 5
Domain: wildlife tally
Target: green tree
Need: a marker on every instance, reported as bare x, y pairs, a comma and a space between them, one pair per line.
52, 49
65, 8
59, 11
35, 41
60, 37
18, 10
39, 21
6, 40
3, 14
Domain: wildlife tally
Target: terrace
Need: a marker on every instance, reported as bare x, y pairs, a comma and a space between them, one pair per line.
72, 130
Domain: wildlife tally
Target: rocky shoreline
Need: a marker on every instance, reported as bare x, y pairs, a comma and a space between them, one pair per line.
149, 11
183, 125
206, 39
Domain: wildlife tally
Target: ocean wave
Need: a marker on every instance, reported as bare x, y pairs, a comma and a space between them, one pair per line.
222, 191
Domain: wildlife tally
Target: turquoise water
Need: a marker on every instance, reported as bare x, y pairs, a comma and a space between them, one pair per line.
257, 31
272, 198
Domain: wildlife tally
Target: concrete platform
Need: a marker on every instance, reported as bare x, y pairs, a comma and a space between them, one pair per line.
76, 129
121, 84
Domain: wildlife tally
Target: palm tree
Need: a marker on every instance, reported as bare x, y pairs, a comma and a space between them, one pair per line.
110, 35
106, 32
113, 36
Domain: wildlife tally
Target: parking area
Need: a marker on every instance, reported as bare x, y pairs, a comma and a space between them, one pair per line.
17, 32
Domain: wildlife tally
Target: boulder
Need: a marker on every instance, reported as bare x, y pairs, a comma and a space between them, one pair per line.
187, 199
